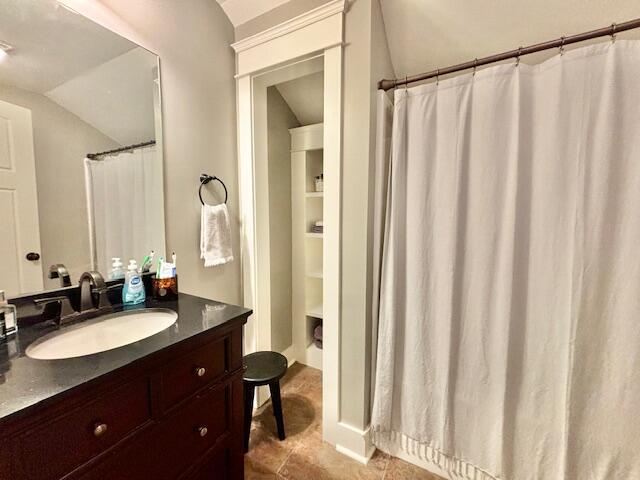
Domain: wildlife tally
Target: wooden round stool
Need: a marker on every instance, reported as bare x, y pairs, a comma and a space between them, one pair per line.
263, 368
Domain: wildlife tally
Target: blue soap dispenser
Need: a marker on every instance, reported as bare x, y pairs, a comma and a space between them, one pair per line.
133, 289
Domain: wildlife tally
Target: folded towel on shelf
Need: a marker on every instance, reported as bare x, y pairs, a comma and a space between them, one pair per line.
317, 332
215, 235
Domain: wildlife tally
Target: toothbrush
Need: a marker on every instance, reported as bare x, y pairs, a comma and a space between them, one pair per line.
147, 261
173, 258
160, 262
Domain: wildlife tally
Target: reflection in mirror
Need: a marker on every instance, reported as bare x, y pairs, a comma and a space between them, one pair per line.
81, 177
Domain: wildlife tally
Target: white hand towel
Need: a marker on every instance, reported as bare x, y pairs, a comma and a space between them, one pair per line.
215, 235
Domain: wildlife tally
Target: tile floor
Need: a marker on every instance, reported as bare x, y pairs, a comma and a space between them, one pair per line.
303, 455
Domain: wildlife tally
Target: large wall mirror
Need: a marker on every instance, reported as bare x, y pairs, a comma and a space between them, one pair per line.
81, 176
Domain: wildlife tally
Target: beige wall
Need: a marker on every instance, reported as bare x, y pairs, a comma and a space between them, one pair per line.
279, 119
61, 140
199, 119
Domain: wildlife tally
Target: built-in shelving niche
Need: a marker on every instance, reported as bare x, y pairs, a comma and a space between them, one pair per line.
307, 208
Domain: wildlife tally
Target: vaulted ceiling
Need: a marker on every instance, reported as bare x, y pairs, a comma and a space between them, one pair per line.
305, 97
241, 11
427, 34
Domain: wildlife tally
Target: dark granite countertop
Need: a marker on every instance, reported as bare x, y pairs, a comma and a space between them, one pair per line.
25, 382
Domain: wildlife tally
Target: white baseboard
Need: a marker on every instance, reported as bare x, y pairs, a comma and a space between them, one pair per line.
354, 443
290, 354
358, 458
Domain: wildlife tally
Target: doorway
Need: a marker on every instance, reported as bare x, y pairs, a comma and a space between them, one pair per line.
291, 179
296, 211
305, 45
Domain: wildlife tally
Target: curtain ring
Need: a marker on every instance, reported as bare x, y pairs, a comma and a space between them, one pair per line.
437, 76
518, 56
475, 66
613, 32
406, 82
562, 39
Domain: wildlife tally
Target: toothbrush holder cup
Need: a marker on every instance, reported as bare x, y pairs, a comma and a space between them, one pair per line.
165, 289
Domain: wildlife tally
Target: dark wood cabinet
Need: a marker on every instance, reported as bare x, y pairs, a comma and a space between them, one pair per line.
176, 414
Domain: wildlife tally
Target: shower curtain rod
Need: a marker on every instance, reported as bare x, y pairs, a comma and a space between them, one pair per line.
93, 156
517, 53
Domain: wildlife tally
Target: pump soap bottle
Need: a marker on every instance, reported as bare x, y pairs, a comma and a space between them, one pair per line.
133, 289
117, 269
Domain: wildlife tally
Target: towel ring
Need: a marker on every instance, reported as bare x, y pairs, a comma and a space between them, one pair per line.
204, 179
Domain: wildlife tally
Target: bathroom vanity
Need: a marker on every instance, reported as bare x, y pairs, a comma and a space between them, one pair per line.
165, 407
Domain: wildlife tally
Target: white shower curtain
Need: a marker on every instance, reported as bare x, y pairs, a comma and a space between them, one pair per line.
126, 209
509, 324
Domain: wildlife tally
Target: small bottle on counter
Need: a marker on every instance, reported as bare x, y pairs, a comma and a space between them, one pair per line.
3, 327
133, 289
117, 269
10, 315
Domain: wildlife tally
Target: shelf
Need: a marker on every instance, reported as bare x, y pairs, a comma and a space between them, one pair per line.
315, 274
314, 194
315, 311
314, 235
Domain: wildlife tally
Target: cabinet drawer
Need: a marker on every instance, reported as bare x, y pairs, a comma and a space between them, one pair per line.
168, 449
56, 448
183, 435
191, 372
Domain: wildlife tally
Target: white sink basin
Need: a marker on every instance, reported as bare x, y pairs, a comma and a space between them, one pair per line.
101, 334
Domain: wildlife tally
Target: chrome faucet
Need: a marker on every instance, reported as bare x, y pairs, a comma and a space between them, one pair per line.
91, 282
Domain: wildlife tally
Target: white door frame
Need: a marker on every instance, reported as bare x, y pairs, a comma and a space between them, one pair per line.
318, 32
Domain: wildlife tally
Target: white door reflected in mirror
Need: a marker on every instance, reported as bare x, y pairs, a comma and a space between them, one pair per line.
18, 203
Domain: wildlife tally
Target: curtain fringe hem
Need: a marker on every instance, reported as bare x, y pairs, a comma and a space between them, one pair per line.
455, 467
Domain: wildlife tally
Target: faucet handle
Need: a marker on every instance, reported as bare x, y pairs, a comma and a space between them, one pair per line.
103, 298
66, 310
108, 288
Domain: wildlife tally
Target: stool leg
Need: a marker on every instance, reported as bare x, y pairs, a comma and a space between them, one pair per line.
277, 407
249, 391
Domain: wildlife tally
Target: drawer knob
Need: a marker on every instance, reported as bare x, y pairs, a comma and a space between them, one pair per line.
200, 371
99, 429
202, 431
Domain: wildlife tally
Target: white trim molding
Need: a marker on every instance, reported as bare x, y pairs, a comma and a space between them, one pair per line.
312, 32
296, 23
355, 443
311, 42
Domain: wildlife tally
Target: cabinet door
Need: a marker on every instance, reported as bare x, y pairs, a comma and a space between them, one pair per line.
216, 467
